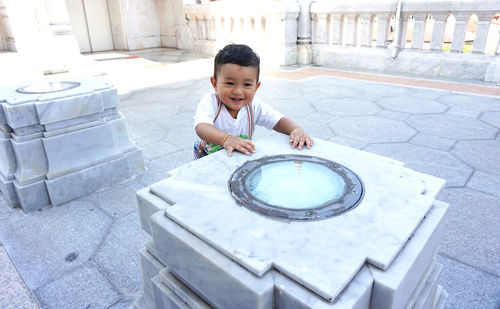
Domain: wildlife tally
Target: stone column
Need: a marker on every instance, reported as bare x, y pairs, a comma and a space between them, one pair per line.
383, 30
366, 30
304, 32
400, 35
418, 31
438, 31
304, 22
483, 24
457, 42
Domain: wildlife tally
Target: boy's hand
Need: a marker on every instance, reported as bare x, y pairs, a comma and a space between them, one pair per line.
237, 143
299, 138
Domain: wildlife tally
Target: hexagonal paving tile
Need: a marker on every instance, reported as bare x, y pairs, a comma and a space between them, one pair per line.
452, 126
472, 102
84, 287
372, 129
382, 90
47, 244
492, 118
293, 109
482, 155
347, 106
412, 105
430, 161
118, 256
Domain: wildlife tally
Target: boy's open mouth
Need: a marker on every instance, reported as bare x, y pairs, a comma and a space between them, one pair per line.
237, 100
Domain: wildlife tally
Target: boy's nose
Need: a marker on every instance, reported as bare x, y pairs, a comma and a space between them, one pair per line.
238, 90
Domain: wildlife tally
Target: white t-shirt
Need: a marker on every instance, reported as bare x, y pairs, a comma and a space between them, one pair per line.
263, 115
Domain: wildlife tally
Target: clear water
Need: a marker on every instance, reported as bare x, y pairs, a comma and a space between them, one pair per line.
295, 184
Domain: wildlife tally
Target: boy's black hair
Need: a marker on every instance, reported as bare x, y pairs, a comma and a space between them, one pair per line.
237, 54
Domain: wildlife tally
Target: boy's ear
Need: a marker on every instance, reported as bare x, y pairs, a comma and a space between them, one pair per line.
257, 87
214, 82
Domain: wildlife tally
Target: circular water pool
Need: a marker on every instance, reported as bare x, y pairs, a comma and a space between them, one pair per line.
48, 87
296, 187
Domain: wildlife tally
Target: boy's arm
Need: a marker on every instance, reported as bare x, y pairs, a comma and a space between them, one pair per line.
230, 142
298, 137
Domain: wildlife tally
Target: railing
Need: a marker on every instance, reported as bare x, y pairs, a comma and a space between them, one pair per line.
433, 37
438, 34
353, 24
269, 27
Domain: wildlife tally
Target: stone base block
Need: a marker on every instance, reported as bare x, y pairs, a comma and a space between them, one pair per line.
394, 287
164, 297
493, 71
148, 204
411, 280
32, 196
9, 192
135, 162
150, 268
210, 274
184, 293
68, 187
289, 294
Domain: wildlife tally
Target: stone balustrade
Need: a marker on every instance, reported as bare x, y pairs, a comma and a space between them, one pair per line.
357, 34
379, 36
269, 27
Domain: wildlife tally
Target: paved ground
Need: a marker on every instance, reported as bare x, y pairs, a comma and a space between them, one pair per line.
84, 254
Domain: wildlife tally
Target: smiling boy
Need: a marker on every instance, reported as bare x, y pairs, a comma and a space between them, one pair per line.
226, 117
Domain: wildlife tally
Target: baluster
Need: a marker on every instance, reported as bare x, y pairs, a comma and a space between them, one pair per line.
350, 39
498, 48
483, 24
458, 40
335, 29
417, 41
204, 28
366, 30
383, 30
438, 31
319, 29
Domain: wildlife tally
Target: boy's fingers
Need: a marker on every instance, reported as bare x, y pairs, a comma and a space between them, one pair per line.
242, 149
250, 146
309, 142
301, 143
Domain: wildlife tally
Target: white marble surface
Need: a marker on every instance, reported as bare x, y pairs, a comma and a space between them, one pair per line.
393, 288
375, 231
60, 143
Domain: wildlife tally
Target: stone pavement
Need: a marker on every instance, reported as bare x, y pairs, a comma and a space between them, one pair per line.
84, 254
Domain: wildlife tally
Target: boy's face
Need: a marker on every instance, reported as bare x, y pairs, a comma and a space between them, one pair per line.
236, 86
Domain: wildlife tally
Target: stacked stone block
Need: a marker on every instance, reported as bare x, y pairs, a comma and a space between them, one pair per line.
58, 146
194, 262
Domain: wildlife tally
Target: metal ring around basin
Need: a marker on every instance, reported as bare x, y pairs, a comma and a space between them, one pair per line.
47, 87
296, 187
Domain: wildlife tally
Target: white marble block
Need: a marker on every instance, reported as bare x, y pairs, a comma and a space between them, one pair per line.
380, 254
62, 144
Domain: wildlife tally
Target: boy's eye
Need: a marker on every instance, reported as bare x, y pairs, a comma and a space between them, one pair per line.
248, 85
229, 83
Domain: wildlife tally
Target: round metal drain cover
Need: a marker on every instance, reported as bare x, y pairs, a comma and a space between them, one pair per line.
296, 187
48, 87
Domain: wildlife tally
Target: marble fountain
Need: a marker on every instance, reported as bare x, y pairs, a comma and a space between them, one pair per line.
225, 235
61, 140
